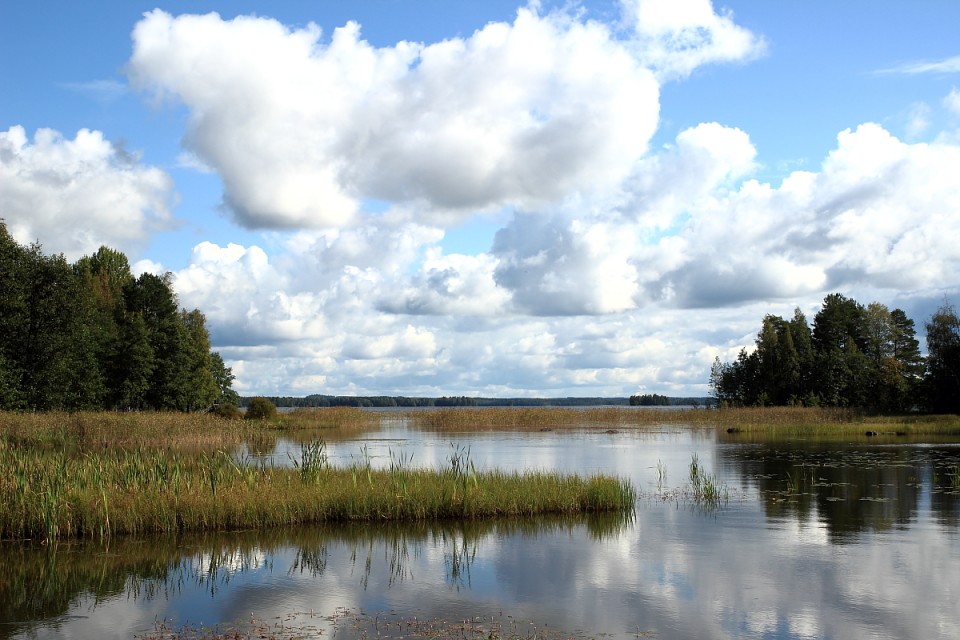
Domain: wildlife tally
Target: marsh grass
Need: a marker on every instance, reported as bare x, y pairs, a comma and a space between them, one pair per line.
800, 481
744, 422
86, 431
705, 488
766, 422
335, 421
51, 495
465, 419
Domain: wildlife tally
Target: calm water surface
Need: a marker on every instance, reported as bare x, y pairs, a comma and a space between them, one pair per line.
865, 544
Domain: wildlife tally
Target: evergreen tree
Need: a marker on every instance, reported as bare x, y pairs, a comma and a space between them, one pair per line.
201, 390
943, 360
839, 340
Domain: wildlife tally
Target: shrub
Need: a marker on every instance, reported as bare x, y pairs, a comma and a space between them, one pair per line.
261, 409
228, 411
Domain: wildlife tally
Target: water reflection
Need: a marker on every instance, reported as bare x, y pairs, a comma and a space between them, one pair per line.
823, 540
44, 584
849, 488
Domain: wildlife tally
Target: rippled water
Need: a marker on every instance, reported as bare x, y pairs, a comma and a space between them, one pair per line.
815, 540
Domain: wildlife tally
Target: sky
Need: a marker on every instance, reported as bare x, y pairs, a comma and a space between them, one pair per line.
551, 199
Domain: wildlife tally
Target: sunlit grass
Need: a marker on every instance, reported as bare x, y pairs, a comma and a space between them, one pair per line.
545, 418
49, 493
100, 474
826, 422
759, 421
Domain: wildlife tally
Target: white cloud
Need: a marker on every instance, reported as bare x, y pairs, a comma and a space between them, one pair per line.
593, 297
561, 266
947, 65
877, 215
302, 130
674, 37
918, 120
952, 101
76, 195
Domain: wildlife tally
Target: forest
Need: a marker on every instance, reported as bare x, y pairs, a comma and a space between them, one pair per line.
852, 356
89, 335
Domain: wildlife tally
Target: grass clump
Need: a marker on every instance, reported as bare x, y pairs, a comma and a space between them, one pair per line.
705, 489
51, 495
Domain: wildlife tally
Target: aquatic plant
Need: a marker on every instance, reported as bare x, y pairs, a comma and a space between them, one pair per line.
705, 489
51, 495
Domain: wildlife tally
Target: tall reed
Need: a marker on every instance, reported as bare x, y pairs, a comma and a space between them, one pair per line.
50, 495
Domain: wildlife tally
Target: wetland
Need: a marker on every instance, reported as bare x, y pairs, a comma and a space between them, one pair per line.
810, 533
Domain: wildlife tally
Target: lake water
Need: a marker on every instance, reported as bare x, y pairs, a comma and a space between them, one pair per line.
846, 540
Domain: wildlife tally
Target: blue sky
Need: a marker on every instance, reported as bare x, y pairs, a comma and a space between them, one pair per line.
494, 198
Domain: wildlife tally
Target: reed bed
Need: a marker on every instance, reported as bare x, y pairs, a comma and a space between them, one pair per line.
765, 422
543, 418
124, 430
345, 421
52, 495
747, 419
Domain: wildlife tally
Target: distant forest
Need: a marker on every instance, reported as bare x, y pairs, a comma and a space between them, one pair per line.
318, 400
853, 356
89, 335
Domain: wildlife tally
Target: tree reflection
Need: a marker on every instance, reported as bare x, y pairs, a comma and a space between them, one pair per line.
41, 583
849, 489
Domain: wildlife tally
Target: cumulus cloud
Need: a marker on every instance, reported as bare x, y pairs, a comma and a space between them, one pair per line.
303, 129
876, 215
674, 37
560, 266
546, 119
597, 293
76, 195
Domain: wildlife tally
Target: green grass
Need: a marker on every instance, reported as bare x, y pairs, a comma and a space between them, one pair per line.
97, 475
705, 489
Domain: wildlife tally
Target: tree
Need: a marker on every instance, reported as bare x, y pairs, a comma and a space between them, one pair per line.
89, 335
722, 383
894, 355
55, 346
131, 364
802, 340
943, 360
223, 376
839, 341
202, 389
15, 263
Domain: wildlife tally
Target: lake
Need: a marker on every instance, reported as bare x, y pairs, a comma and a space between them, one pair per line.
856, 538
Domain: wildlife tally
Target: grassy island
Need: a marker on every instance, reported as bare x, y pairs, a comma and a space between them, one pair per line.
96, 475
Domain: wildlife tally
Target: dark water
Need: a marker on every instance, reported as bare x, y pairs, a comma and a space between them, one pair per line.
815, 540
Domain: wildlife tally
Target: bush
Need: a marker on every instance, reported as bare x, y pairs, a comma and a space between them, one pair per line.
261, 409
228, 411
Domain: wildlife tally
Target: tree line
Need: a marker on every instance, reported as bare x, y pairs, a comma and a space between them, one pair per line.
89, 335
852, 356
